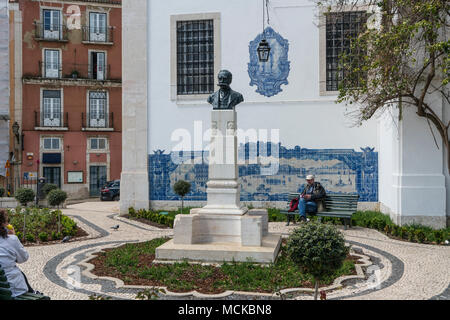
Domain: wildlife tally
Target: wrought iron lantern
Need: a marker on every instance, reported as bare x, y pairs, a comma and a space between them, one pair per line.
263, 51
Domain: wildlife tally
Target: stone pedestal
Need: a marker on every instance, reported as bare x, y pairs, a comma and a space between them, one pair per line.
223, 230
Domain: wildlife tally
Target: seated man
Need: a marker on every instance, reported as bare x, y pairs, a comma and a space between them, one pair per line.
311, 195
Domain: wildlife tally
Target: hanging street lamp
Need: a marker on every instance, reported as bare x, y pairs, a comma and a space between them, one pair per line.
263, 51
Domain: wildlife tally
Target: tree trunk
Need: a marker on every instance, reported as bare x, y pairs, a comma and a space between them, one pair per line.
182, 204
59, 220
316, 293
24, 225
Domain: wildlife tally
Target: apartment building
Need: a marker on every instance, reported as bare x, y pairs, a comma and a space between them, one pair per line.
71, 94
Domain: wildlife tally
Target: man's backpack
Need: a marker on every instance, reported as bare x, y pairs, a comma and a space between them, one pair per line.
293, 205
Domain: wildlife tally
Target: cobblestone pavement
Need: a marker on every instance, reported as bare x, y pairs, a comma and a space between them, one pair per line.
399, 270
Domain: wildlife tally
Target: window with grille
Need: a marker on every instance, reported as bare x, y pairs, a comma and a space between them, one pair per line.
341, 28
52, 115
97, 109
195, 57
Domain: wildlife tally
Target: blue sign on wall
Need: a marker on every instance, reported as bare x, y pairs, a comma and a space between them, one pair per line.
269, 76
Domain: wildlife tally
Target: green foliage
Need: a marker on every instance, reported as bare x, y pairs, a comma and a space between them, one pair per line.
182, 188
40, 223
30, 237
2, 192
318, 249
155, 216
150, 294
401, 63
420, 236
98, 297
24, 195
56, 197
49, 187
438, 236
43, 236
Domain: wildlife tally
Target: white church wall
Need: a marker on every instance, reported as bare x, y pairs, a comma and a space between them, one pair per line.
311, 126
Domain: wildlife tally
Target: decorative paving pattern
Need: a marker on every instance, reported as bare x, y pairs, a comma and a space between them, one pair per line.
397, 270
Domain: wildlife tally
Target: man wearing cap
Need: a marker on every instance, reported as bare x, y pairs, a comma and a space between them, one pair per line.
310, 197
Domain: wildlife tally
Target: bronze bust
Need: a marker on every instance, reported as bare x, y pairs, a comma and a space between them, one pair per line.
225, 98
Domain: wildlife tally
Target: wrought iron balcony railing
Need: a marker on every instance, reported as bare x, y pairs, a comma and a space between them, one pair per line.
50, 32
96, 120
51, 119
50, 70
73, 71
98, 34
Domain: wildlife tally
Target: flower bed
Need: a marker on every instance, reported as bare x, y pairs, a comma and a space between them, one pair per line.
41, 225
133, 263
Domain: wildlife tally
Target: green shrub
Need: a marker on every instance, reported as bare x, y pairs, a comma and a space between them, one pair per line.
24, 195
69, 227
420, 236
318, 249
56, 197
2, 192
49, 187
30, 238
438, 236
396, 231
19, 235
132, 212
403, 233
411, 235
43, 236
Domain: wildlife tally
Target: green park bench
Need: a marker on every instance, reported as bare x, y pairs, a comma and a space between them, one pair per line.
6, 294
336, 206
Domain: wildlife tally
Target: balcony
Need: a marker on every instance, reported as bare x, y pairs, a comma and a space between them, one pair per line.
96, 35
97, 121
72, 75
53, 121
56, 33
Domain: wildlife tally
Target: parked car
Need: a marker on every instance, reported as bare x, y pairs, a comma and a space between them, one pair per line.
111, 191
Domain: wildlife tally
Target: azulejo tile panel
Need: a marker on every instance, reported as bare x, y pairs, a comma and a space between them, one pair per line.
269, 76
268, 172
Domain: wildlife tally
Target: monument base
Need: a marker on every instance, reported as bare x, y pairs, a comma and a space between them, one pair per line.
220, 252
221, 237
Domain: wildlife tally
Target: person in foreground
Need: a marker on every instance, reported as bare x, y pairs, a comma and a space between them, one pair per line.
310, 197
11, 253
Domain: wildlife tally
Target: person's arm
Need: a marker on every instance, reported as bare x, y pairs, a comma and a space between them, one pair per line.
21, 253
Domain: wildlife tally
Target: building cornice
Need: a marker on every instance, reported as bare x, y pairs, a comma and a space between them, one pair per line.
73, 82
103, 3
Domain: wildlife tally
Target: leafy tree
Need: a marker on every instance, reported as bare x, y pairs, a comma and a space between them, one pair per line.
49, 187
400, 60
56, 198
318, 249
24, 195
182, 188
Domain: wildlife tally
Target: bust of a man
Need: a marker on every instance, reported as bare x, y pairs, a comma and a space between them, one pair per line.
225, 98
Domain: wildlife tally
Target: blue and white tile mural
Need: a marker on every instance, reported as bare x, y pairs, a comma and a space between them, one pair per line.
268, 172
